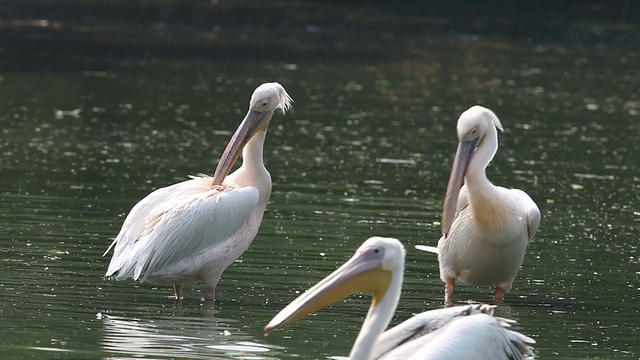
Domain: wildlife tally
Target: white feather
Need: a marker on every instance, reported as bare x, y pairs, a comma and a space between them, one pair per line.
174, 230
447, 334
427, 248
477, 336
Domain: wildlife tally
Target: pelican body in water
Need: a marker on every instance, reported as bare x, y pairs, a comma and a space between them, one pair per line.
460, 332
195, 229
486, 228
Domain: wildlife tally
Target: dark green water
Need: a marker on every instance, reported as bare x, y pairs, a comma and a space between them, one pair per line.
365, 151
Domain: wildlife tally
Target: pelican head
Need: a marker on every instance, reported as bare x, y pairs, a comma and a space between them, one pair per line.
369, 269
265, 100
269, 97
473, 126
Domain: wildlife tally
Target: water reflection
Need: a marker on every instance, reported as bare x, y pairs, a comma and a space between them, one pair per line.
180, 336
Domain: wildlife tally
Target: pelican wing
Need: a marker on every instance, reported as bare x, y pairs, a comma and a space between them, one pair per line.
134, 222
461, 332
180, 230
190, 219
530, 210
478, 336
463, 203
406, 337
533, 219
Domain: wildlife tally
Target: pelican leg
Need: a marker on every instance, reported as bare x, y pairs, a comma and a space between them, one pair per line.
448, 291
498, 297
210, 293
178, 289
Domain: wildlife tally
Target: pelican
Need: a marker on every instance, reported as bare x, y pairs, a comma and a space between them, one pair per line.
461, 332
486, 228
195, 229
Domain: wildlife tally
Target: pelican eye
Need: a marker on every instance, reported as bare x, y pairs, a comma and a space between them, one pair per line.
264, 103
373, 253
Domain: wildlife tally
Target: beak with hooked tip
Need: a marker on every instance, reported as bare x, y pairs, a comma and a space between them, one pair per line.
360, 273
252, 122
464, 154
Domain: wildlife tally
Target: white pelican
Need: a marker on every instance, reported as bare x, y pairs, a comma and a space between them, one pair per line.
195, 229
461, 332
486, 228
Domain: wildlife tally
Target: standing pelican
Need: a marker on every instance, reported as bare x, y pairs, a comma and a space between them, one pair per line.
195, 229
486, 228
461, 332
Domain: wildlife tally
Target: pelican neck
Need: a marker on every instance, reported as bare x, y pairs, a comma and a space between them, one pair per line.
252, 154
378, 318
476, 170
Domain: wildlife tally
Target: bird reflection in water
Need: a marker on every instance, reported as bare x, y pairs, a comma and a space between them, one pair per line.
179, 336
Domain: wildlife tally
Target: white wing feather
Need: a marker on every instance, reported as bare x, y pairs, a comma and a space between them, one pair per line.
174, 223
135, 221
477, 336
427, 248
463, 202
420, 325
180, 230
448, 334
532, 212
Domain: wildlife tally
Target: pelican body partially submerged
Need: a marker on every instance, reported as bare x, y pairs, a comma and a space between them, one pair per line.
193, 230
462, 332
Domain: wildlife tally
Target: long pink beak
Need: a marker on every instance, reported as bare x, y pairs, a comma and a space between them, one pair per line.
245, 131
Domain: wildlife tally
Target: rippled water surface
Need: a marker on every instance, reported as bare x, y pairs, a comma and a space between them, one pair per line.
365, 151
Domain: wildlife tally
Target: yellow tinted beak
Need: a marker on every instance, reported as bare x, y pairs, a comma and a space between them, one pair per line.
357, 274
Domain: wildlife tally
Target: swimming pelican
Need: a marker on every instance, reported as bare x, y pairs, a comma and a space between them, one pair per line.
195, 229
461, 332
486, 228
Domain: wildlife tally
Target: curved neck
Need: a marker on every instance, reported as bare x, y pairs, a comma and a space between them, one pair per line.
377, 319
252, 154
482, 194
476, 175
252, 171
